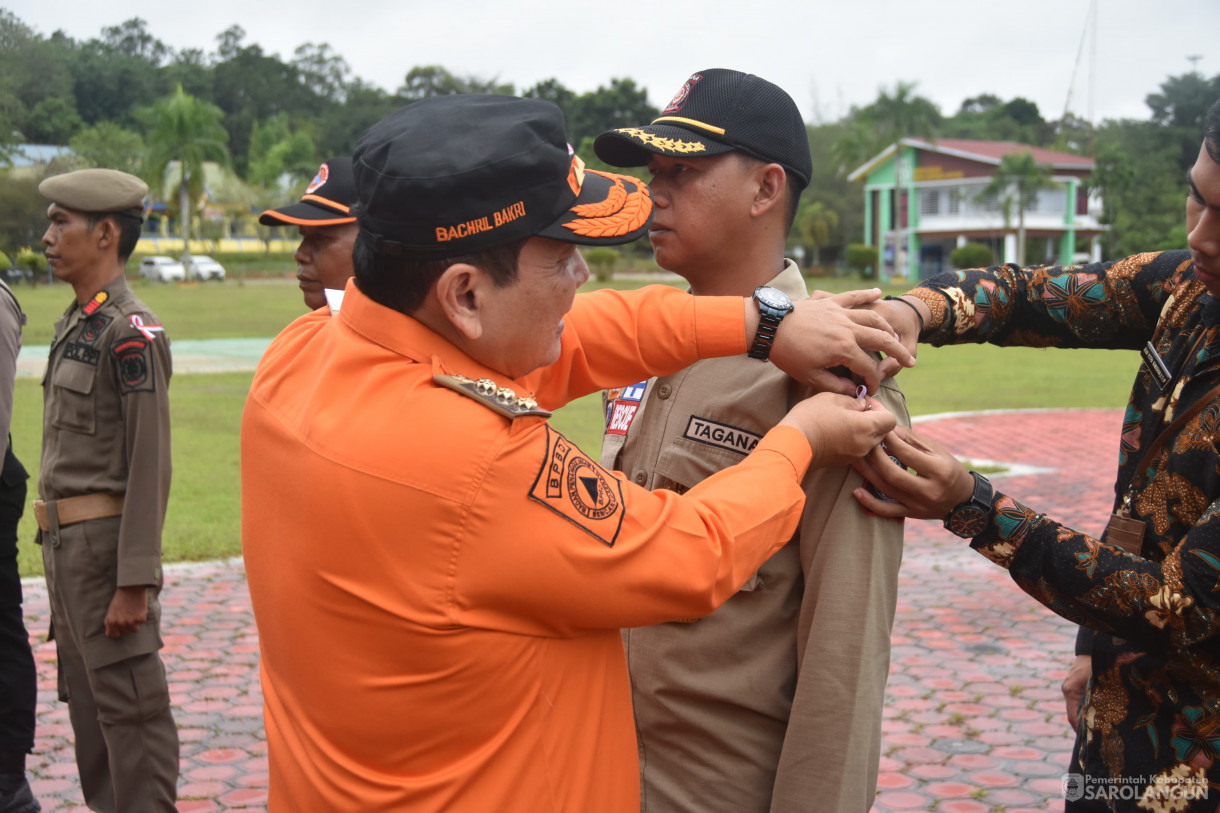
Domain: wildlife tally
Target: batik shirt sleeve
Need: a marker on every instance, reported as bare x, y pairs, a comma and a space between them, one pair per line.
1110, 305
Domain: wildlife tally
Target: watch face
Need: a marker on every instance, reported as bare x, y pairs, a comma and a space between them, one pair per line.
967, 522
773, 298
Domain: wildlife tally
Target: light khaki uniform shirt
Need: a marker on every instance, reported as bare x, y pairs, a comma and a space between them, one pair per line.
773, 702
11, 320
106, 424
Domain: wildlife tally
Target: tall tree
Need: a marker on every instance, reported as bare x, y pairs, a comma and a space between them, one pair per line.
132, 38
33, 70
989, 118
278, 152
622, 103
1181, 106
251, 86
1016, 182
425, 81
895, 116
815, 222
110, 146
903, 114
52, 121
322, 70
829, 186
188, 131
1141, 186
340, 126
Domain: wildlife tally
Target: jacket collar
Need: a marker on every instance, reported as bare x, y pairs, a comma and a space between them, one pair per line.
408, 337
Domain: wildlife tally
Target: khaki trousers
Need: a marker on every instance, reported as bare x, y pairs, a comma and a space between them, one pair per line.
118, 700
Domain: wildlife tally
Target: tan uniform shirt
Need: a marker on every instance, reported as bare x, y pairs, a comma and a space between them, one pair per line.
11, 320
773, 702
106, 426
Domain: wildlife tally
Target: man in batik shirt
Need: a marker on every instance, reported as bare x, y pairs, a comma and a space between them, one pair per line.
1150, 588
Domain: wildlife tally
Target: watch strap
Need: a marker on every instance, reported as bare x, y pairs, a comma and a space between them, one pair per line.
764, 336
969, 518
768, 324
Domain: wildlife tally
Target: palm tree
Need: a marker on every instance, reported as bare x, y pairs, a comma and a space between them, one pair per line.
814, 222
898, 116
1016, 182
892, 117
186, 130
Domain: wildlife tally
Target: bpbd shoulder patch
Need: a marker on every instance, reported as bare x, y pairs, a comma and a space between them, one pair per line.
133, 362
579, 490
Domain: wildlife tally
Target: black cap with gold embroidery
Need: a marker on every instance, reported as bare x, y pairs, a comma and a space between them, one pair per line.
718, 111
327, 200
451, 175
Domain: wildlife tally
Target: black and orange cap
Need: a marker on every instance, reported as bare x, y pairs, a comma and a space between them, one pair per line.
718, 111
451, 175
327, 201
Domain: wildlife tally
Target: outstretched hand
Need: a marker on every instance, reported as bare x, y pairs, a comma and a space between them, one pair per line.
825, 332
905, 318
937, 484
839, 429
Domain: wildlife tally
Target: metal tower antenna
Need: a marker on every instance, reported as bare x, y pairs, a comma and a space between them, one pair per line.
1090, 25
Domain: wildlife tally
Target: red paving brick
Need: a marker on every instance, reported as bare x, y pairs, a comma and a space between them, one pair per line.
973, 717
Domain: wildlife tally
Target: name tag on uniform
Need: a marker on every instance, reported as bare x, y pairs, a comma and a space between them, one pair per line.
721, 435
82, 352
1155, 366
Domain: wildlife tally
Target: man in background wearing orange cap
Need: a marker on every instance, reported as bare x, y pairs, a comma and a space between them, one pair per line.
328, 230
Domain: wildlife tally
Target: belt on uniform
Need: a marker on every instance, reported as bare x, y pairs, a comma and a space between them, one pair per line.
78, 509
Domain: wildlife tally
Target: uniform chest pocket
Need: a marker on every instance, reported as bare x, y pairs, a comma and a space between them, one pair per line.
685, 462
72, 397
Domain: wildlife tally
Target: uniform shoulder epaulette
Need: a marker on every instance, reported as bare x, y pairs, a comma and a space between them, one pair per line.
499, 399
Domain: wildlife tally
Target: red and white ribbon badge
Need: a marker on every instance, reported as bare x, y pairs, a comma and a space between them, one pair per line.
150, 331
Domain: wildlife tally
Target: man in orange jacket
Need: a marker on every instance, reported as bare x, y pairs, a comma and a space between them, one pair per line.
439, 576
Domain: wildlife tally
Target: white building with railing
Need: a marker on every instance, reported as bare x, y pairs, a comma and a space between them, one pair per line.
936, 190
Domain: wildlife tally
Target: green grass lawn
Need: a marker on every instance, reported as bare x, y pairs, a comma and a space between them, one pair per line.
205, 310
203, 520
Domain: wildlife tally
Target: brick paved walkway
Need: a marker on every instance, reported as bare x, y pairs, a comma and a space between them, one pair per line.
974, 718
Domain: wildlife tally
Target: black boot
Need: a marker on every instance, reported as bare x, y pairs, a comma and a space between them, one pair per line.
15, 794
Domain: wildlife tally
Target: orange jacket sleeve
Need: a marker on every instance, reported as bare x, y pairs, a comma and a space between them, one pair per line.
647, 331
588, 549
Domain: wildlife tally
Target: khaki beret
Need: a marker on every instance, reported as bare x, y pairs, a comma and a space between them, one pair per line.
95, 190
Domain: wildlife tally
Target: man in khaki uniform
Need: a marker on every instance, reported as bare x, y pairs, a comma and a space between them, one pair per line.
104, 485
18, 677
773, 702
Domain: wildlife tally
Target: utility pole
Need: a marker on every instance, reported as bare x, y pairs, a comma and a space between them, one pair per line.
900, 256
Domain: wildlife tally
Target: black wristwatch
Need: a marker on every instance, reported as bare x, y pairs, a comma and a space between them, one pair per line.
969, 519
773, 306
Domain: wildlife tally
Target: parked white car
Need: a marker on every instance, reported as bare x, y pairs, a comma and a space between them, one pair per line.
205, 268
162, 269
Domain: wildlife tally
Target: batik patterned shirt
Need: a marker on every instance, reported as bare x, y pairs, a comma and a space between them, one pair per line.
1152, 709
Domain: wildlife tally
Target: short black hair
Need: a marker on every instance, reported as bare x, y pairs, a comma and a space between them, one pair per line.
1211, 132
792, 186
129, 225
402, 283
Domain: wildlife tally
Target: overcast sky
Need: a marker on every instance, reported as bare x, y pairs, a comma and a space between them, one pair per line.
828, 54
